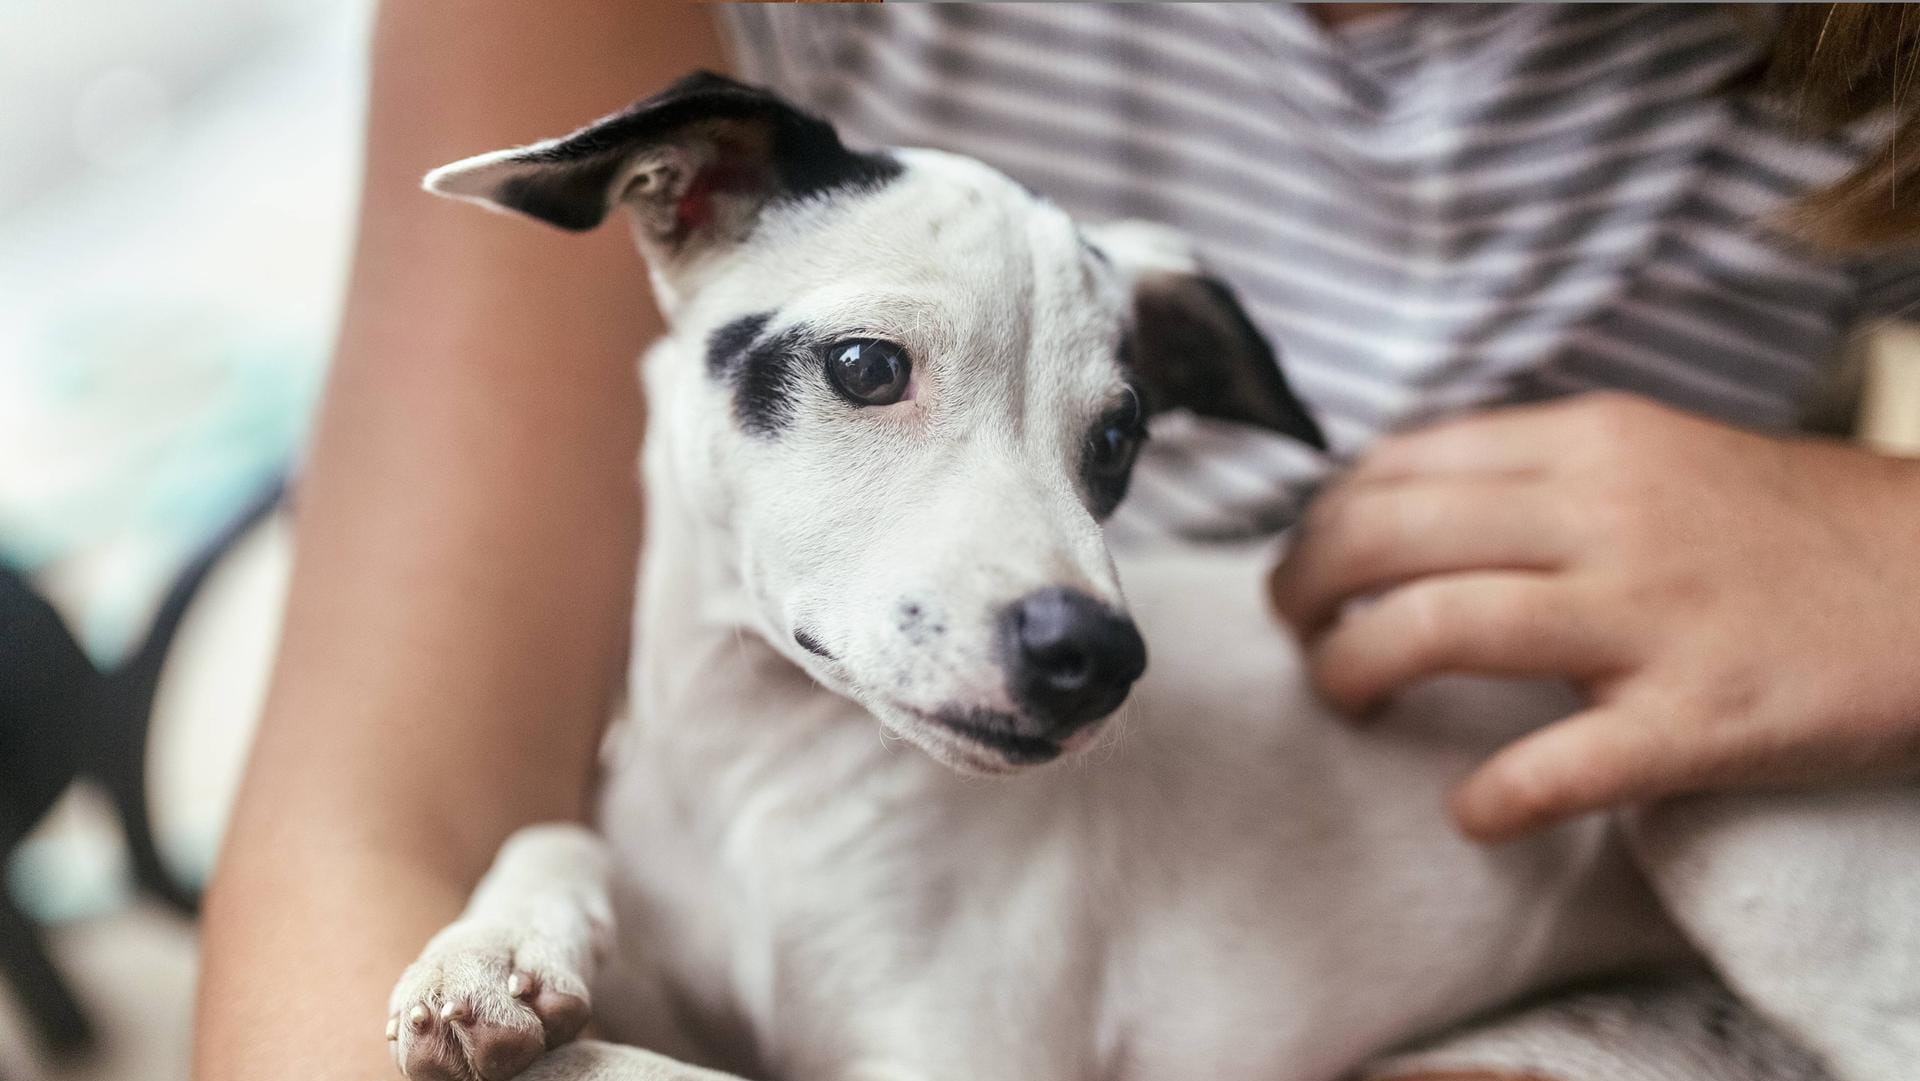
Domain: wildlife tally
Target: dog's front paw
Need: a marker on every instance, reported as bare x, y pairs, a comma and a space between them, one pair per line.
482, 1003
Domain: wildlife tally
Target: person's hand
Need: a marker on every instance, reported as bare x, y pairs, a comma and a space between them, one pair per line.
1739, 610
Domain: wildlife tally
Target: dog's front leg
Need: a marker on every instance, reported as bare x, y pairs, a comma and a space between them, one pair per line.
509, 979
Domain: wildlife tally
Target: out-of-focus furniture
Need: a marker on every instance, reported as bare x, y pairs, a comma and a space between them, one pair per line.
61, 721
47, 688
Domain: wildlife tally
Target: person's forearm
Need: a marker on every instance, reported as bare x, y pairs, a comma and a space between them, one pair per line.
305, 939
466, 537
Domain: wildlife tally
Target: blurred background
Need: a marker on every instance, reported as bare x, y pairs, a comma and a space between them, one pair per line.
176, 195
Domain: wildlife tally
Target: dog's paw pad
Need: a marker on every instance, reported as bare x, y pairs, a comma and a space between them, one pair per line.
466, 1011
498, 1052
465, 1041
562, 1014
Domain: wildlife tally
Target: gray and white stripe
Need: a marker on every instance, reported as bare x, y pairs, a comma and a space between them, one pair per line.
1446, 206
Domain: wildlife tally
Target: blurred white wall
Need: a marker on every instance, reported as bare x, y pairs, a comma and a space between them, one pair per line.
176, 186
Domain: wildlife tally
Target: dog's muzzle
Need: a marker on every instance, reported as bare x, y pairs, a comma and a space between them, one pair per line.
1069, 660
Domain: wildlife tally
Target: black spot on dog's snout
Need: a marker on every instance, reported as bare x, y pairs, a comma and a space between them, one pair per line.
811, 644
763, 371
918, 625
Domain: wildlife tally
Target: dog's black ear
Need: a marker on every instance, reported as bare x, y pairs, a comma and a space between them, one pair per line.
1192, 347
1190, 343
696, 161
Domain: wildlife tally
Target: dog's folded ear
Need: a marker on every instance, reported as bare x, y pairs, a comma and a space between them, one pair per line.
1190, 344
694, 163
1193, 347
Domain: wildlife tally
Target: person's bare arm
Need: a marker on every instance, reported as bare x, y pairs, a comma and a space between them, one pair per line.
467, 530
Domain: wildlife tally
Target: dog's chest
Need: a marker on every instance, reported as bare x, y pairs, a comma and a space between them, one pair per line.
1233, 885
849, 917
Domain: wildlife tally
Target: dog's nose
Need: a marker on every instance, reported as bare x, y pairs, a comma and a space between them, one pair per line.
1069, 658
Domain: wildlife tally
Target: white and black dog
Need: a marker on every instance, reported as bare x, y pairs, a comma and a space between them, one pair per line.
898, 396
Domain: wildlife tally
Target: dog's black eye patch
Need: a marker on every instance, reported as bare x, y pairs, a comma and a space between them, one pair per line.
1106, 461
727, 345
769, 376
764, 372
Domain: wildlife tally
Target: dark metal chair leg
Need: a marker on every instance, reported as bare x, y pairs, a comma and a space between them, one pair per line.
123, 717
55, 1013
47, 686
61, 719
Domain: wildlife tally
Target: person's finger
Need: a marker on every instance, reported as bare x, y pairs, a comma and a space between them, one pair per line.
1503, 623
1599, 758
1524, 439
1359, 538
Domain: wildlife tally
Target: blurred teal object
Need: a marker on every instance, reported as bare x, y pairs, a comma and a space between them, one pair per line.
161, 426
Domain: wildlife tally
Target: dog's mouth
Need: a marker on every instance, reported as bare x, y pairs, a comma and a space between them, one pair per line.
982, 741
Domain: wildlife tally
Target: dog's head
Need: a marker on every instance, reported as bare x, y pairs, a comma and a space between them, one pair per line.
920, 389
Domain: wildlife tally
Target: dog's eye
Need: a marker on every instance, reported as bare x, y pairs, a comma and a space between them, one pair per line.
1111, 449
1112, 445
868, 371
1115, 439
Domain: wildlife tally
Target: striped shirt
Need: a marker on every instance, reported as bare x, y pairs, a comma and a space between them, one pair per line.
1429, 209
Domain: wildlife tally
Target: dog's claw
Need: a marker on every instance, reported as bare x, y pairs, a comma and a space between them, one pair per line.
456, 1013
519, 986
419, 1019
393, 1029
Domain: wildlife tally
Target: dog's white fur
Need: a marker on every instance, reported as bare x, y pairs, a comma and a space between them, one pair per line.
1228, 883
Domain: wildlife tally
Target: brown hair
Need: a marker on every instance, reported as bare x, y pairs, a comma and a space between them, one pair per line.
1835, 64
